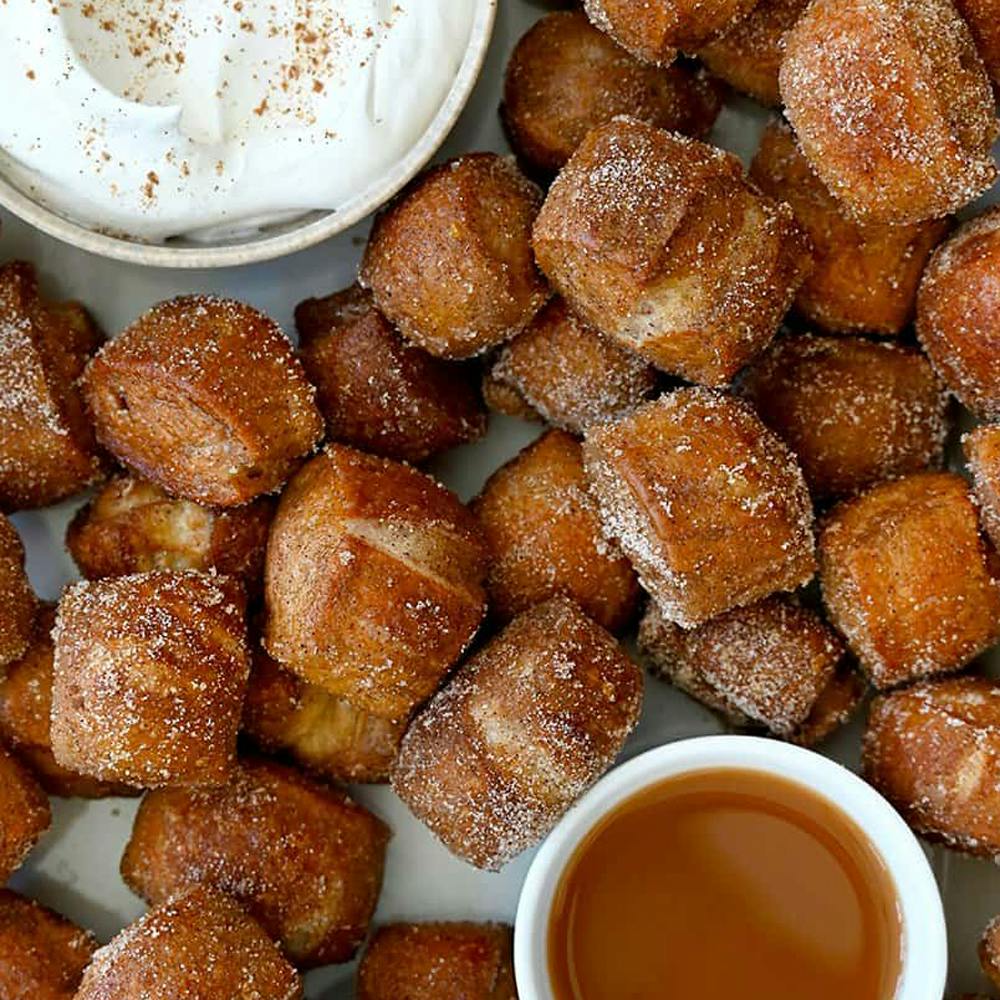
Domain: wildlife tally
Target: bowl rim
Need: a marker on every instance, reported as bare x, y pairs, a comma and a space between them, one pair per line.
925, 944
302, 237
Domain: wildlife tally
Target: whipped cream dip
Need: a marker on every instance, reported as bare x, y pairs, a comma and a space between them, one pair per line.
208, 118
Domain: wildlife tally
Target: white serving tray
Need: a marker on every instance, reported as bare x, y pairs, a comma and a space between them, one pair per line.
75, 869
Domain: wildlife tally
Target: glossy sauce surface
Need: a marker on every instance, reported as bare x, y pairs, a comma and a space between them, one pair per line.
722, 884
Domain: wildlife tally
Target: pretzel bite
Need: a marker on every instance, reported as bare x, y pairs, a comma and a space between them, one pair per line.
47, 447
707, 503
544, 537
983, 19
958, 314
933, 750
908, 579
662, 243
325, 734
565, 77
376, 391
449, 262
816, 393
42, 954
748, 55
518, 734
302, 858
982, 452
132, 526
25, 811
864, 275
17, 599
892, 106
569, 373
374, 580
453, 961
197, 946
989, 951
655, 29
204, 397
149, 675
25, 710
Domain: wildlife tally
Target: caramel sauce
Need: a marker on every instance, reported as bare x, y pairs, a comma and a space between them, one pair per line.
722, 884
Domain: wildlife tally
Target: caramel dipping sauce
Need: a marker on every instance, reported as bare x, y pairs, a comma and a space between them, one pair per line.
725, 884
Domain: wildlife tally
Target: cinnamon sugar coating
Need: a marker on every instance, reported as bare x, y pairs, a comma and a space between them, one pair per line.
47, 446
25, 810
568, 373
299, 856
865, 275
502, 397
661, 242
989, 951
837, 702
449, 262
892, 106
376, 391
438, 961
518, 734
982, 452
17, 599
199, 945
204, 397
707, 503
909, 580
149, 675
374, 580
933, 750
854, 411
544, 536
983, 19
565, 77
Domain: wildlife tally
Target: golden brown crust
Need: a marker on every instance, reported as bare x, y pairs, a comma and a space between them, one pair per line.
982, 453
565, 77
302, 858
197, 946
661, 242
504, 398
708, 504
958, 315
864, 275
17, 599
373, 580
148, 678
908, 579
989, 951
816, 393
837, 702
204, 397
983, 19
544, 537
518, 734
438, 961
133, 526
25, 810
47, 447
892, 106
933, 750
449, 262
376, 391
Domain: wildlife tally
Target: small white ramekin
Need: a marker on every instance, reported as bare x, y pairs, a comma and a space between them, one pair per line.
925, 948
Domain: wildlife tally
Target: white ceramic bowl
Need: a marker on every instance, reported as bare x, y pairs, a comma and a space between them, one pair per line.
925, 950
288, 237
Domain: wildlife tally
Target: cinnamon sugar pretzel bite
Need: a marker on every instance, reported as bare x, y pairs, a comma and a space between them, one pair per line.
204, 397
300, 857
891, 105
707, 503
661, 242
198, 945
376, 391
438, 961
518, 734
565, 77
17, 599
568, 373
908, 579
544, 536
865, 275
25, 813
989, 951
982, 453
983, 19
816, 392
933, 750
42, 954
374, 580
149, 675
47, 446
449, 262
